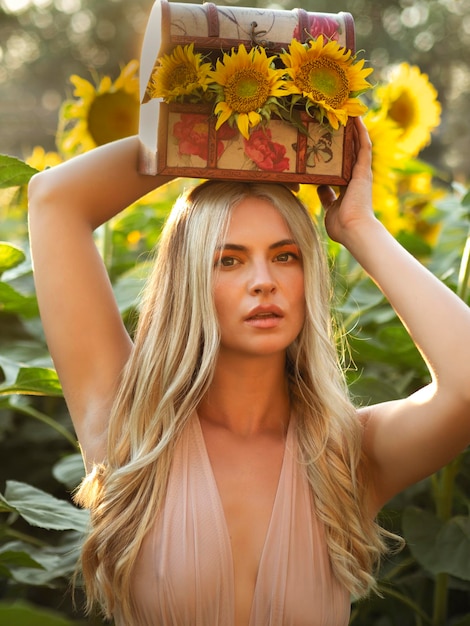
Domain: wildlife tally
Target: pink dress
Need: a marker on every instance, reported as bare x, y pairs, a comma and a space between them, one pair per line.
184, 574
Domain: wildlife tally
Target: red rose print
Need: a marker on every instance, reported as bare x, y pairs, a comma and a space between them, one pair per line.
226, 132
192, 134
266, 154
319, 24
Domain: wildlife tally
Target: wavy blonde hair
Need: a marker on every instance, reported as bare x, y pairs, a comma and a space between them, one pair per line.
168, 373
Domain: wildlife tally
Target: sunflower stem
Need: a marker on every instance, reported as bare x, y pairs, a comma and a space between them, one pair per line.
444, 481
49, 421
444, 494
107, 244
407, 601
464, 271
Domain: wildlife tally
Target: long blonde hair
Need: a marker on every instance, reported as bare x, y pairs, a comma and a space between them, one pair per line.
168, 373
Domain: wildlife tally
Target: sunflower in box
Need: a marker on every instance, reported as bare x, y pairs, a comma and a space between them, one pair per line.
180, 76
327, 78
247, 87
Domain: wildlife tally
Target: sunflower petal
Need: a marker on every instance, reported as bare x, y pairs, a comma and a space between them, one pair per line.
242, 123
83, 88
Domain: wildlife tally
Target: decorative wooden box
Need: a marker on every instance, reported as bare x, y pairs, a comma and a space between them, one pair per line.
181, 139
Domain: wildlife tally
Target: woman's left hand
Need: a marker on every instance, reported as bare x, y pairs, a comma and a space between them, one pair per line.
353, 205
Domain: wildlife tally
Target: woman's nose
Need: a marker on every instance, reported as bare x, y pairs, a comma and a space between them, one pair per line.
262, 281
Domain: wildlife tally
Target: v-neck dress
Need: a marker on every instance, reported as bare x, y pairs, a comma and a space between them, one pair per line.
184, 573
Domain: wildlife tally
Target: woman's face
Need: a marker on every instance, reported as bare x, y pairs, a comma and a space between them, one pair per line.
258, 282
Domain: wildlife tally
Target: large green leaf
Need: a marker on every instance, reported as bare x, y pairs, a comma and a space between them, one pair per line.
14, 172
362, 297
22, 614
12, 301
454, 543
69, 470
35, 381
10, 256
22, 349
420, 529
128, 287
49, 565
13, 558
438, 547
369, 389
41, 509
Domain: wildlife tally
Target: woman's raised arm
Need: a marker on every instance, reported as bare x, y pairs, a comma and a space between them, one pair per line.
407, 439
84, 331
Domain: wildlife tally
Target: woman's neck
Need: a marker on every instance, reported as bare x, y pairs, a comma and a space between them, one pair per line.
248, 395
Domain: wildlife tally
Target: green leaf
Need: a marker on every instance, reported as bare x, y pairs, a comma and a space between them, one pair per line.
10, 256
22, 614
128, 288
466, 199
41, 509
454, 546
50, 564
14, 172
416, 166
438, 547
15, 558
420, 529
362, 297
70, 470
12, 301
32, 381
370, 389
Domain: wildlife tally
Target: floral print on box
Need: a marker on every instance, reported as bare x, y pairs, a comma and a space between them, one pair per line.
270, 148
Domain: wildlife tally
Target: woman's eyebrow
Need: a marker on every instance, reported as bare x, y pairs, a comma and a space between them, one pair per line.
241, 248
232, 246
282, 243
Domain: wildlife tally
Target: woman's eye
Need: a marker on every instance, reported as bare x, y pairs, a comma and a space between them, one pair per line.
227, 261
285, 257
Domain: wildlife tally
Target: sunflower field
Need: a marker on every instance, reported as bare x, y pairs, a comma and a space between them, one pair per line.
427, 583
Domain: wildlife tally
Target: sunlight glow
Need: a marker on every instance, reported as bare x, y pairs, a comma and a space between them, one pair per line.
20, 6
16, 6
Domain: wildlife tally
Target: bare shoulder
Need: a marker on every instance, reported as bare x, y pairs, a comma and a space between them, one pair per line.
406, 440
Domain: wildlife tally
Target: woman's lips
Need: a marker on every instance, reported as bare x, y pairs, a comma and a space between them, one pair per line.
264, 318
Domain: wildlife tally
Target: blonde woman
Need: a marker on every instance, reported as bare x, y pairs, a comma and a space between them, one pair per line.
231, 481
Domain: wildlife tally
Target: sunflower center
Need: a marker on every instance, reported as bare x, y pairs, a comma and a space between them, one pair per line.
402, 110
182, 75
247, 90
113, 116
324, 79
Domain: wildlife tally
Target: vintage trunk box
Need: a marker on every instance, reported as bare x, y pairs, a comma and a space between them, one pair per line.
181, 139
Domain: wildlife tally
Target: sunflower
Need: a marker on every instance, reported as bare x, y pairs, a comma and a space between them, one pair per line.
42, 160
329, 77
419, 199
102, 114
386, 158
181, 73
246, 87
410, 100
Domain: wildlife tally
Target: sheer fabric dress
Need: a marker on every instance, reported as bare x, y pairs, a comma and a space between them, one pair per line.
184, 574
